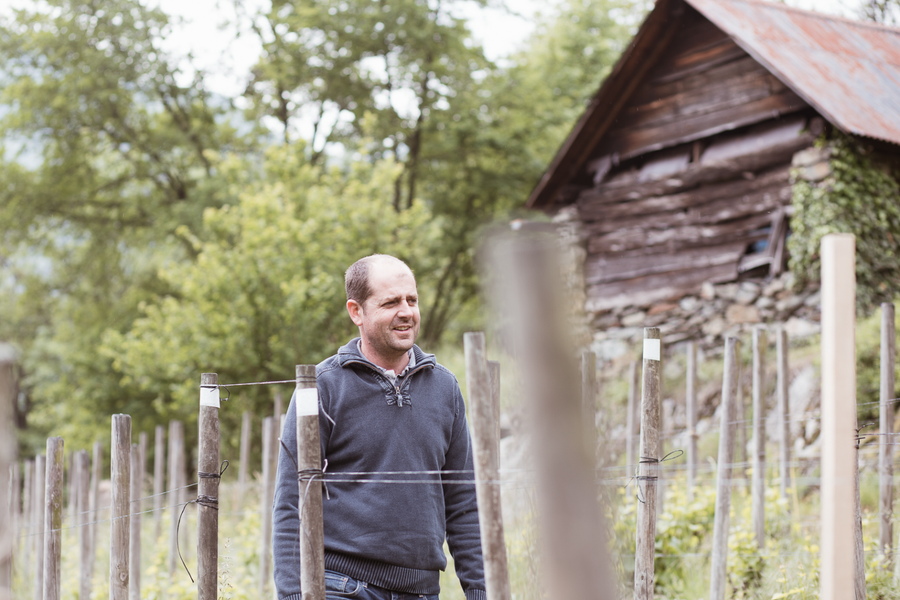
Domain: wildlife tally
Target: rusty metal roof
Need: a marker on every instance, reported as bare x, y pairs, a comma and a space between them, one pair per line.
847, 70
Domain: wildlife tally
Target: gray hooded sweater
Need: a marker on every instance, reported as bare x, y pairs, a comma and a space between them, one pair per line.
408, 440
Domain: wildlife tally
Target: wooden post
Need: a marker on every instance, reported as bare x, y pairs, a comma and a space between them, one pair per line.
633, 416
648, 466
27, 525
741, 418
859, 562
134, 548
784, 426
487, 468
244, 465
143, 443
208, 489
83, 458
159, 477
267, 498
718, 575
279, 405
8, 482
94, 502
309, 465
174, 495
120, 519
38, 520
691, 416
758, 491
571, 522
15, 505
885, 455
73, 483
838, 253
53, 511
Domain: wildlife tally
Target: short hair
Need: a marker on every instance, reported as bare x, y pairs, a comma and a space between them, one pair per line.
356, 279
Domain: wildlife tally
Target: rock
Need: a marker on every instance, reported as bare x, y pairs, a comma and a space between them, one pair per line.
609, 349
801, 328
802, 391
746, 295
727, 291
624, 333
689, 303
634, 319
773, 287
789, 304
813, 300
740, 313
714, 326
707, 290
765, 302
605, 321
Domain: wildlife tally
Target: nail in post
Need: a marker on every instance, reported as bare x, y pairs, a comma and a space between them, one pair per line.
487, 468
885, 456
838, 252
718, 575
759, 436
648, 469
208, 489
120, 520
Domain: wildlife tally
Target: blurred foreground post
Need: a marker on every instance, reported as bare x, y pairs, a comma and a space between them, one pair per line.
885, 456
648, 466
838, 416
718, 572
53, 510
208, 489
487, 468
37, 512
120, 519
8, 392
526, 273
691, 416
589, 403
759, 436
309, 467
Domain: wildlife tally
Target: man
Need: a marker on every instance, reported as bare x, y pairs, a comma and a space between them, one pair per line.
393, 432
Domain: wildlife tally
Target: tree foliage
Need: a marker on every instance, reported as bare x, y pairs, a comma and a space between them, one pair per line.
151, 230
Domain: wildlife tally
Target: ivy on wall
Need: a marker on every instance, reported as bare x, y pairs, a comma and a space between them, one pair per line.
861, 196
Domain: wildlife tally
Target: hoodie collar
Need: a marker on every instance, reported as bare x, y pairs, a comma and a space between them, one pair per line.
350, 353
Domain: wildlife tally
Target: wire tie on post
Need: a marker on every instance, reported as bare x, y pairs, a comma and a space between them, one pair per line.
201, 500
649, 460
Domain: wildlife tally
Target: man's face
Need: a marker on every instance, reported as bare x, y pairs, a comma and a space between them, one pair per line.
389, 319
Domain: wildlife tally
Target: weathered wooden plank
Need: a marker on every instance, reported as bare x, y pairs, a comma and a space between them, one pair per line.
632, 142
711, 213
718, 52
716, 89
636, 239
647, 205
646, 290
720, 178
604, 268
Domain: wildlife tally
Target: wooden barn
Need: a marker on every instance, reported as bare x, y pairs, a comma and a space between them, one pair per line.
679, 171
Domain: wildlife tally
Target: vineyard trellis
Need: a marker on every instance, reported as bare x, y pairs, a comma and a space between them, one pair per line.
30, 538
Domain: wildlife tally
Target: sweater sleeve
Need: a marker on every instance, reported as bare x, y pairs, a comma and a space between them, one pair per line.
285, 514
463, 532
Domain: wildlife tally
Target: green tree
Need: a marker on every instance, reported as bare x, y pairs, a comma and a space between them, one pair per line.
266, 291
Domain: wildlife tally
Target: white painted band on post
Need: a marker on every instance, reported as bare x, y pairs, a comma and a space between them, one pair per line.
651, 349
307, 402
209, 396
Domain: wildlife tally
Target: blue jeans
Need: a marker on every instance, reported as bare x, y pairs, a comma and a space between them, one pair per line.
339, 586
